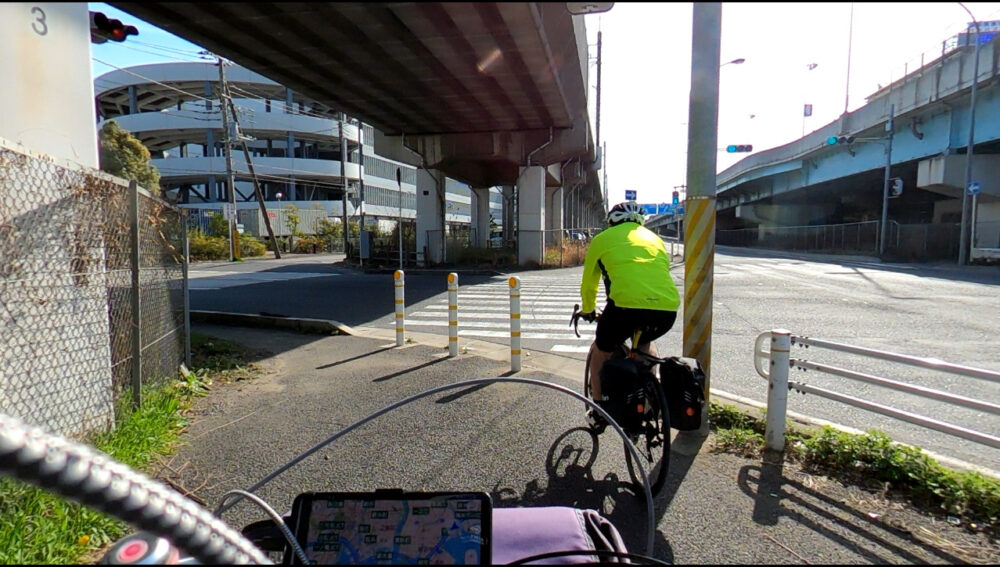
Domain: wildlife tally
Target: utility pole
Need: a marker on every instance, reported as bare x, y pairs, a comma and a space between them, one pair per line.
256, 184
699, 209
234, 243
889, 126
362, 233
963, 240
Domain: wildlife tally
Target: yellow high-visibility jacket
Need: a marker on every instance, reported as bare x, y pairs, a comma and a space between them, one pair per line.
636, 269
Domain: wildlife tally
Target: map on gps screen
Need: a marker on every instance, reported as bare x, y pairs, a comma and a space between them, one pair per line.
413, 529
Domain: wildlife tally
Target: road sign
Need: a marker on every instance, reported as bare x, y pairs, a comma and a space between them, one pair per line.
629, 195
228, 211
974, 188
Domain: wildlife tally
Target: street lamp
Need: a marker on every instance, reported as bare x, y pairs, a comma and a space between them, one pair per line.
963, 243
737, 61
806, 108
279, 195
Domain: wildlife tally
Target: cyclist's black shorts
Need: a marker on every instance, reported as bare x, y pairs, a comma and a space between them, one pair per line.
619, 323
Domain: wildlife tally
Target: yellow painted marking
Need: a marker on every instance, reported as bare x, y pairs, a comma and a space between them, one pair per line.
515, 315
453, 322
512, 281
399, 329
399, 315
452, 338
451, 278
399, 301
515, 352
397, 274
452, 307
515, 333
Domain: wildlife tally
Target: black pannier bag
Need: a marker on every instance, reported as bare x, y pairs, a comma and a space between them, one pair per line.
622, 385
684, 385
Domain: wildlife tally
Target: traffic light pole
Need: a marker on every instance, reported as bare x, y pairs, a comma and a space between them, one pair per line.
889, 126
699, 209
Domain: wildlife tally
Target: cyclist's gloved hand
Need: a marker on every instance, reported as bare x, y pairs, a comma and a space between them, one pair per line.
588, 317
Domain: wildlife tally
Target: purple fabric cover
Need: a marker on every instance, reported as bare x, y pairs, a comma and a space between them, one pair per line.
523, 532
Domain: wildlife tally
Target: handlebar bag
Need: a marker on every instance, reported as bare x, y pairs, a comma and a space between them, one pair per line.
524, 532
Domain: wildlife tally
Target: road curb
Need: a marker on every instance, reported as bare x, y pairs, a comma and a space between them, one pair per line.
298, 324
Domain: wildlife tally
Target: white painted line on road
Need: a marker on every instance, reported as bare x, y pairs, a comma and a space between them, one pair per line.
489, 325
506, 334
474, 315
570, 348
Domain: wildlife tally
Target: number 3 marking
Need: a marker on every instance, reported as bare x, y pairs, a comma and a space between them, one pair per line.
39, 25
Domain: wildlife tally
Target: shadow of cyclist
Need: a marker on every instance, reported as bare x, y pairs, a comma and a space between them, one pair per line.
571, 482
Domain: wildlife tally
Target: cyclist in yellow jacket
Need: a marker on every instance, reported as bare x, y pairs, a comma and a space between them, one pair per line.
635, 266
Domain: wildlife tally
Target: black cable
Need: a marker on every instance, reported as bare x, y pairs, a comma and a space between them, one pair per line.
601, 553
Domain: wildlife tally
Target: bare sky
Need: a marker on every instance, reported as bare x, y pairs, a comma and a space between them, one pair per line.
646, 67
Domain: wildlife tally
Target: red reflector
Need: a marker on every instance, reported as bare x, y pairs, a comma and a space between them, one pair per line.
639, 408
689, 412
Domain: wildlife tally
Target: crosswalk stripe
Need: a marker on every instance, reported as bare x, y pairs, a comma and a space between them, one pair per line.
570, 348
488, 325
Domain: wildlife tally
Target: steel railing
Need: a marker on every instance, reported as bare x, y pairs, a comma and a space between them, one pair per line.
779, 361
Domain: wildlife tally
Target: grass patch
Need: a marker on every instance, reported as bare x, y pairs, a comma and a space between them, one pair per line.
37, 527
868, 457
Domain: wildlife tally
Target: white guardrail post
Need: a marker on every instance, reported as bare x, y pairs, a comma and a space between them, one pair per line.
777, 390
515, 324
452, 314
400, 308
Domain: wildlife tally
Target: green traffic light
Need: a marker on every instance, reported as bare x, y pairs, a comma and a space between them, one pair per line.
731, 149
831, 141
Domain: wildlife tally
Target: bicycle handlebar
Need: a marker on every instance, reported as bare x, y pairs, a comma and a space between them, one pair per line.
574, 319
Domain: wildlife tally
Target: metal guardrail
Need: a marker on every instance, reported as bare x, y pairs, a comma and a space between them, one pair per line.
778, 361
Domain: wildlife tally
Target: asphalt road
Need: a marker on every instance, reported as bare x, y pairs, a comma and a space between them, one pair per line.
937, 311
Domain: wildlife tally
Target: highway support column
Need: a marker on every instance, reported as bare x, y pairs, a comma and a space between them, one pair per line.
699, 207
530, 214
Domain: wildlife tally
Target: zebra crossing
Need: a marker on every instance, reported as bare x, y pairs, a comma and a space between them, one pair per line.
484, 313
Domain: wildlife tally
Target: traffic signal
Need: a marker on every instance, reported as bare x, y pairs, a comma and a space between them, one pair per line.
837, 140
734, 148
677, 197
103, 28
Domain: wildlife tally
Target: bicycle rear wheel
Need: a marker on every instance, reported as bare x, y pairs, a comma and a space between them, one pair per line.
652, 441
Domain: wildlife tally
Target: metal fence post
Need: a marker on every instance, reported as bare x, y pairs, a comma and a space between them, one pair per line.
777, 390
452, 314
133, 196
187, 288
515, 323
400, 308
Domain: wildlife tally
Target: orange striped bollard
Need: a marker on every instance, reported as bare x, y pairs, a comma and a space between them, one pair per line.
515, 323
400, 309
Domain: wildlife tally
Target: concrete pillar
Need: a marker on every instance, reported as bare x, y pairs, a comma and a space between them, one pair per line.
507, 191
212, 192
530, 214
481, 216
553, 208
133, 104
430, 216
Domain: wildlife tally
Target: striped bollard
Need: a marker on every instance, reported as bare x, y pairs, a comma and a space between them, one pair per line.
400, 310
515, 324
452, 314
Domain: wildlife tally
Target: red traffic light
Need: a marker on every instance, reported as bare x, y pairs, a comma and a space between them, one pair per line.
103, 28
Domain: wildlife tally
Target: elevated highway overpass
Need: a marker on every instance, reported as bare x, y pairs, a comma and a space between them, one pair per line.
809, 182
485, 93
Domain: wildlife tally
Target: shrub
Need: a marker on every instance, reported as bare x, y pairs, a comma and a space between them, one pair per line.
251, 247
205, 247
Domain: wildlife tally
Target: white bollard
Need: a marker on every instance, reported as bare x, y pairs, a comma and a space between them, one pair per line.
777, 390
452, 314
515, 324
400, 309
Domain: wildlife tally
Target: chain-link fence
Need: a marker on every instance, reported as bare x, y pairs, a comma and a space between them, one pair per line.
75, 245
922, 242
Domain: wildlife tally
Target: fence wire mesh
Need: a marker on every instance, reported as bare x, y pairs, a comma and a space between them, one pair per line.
67, 292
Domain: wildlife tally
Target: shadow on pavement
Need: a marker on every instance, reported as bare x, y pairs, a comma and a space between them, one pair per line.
773, 490
571, 482
353, 358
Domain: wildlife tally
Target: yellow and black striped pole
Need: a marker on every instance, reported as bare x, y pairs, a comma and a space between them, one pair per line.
515, 323
699, 206
400, 308
452, 314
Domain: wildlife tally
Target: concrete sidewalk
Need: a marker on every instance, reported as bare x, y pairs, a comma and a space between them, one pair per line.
526, 447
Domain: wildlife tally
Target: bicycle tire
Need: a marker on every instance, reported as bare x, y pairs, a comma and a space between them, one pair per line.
654, 441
